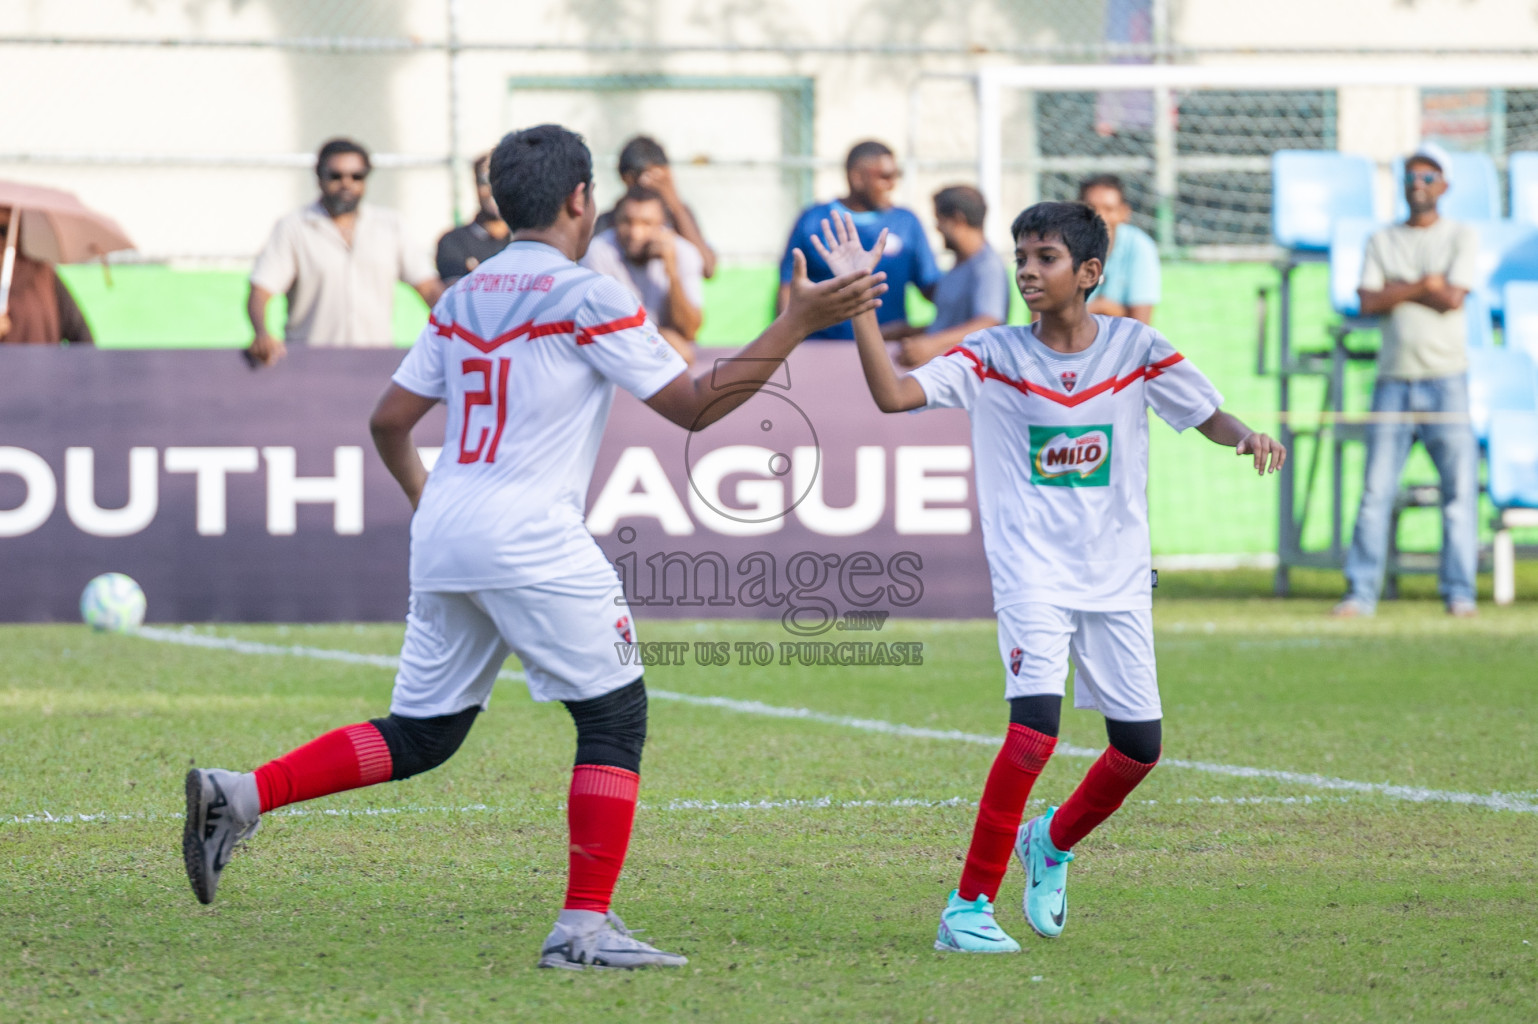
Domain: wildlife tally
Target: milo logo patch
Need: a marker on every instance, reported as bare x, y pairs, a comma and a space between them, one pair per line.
1071, 456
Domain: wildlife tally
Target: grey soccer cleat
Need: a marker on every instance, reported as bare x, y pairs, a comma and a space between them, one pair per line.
608, 945
223, 810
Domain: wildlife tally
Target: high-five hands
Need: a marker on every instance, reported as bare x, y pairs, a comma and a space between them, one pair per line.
840, 246
855, 289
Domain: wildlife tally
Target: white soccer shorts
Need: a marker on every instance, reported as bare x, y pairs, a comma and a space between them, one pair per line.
563, 631
1113, 658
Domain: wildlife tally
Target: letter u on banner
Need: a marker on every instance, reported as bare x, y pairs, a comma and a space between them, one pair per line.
869, 492
80, 493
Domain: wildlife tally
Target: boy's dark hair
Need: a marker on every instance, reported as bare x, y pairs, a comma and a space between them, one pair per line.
533, 171
867, 150
1101, 181
639, 153
962, 201
336, 147
638, 194
1077, 225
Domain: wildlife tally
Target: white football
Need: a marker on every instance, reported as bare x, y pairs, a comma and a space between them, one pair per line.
112, 602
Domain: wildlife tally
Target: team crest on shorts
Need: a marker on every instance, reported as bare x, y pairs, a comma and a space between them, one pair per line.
1069, 379
623, 626
1016, 657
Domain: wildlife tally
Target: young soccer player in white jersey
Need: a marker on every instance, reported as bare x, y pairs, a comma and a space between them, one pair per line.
525, 352
1060, 438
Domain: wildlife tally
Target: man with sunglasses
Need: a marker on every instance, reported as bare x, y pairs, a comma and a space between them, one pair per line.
1414, 278
872, 172
337, 261
469, 245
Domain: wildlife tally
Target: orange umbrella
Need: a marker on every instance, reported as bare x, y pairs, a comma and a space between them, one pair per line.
57, 228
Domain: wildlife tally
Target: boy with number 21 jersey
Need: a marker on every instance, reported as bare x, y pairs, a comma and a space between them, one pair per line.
1060, 444
526, 352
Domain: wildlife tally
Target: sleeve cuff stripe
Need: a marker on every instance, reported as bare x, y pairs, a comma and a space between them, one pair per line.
587, 335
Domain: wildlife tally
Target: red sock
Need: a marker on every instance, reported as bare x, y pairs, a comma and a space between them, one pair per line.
1014, 772
340, 760
1105, 786
599, 814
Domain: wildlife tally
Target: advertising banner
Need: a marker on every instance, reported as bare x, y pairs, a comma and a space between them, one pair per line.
243, 495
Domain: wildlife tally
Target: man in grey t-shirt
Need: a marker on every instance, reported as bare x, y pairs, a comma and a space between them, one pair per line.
664, 270
1415, 277
974, 294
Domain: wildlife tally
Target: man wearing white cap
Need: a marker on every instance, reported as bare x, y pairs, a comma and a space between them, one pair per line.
1415, 277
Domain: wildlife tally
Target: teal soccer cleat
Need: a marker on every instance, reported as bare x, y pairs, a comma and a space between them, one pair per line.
1046, 876
967, 926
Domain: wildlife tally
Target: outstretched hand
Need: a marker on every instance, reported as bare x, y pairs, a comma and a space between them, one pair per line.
812, 307
1268, 452
840, 246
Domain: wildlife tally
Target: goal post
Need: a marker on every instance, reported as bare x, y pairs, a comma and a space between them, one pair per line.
1157, 153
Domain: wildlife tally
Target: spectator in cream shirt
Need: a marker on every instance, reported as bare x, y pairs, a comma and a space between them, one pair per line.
337, 261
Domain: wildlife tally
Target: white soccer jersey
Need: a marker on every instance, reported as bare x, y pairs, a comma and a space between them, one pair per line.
525, 352
1060, 445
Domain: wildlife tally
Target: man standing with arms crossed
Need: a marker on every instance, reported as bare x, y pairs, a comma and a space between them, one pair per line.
1415, 276
525, 352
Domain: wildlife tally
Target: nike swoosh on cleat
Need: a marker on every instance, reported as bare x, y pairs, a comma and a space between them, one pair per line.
1060, 914
980, 935
210, 817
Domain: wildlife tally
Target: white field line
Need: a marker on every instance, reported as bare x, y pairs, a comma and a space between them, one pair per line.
1521, 803
675, 805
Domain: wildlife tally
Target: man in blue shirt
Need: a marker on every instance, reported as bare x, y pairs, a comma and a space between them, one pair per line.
974, 294
1129, 285
872, 173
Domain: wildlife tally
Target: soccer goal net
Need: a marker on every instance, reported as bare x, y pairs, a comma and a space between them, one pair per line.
1193, 143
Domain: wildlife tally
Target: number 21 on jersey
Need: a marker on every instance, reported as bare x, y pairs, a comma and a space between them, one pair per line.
493, 374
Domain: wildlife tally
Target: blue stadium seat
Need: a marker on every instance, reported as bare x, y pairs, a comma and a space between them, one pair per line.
1508, 251
1311, 189
1521, 317
1481, 325
1513, 488
1348, 251
1473, 192
1522, 169
1514, 459
1500, 380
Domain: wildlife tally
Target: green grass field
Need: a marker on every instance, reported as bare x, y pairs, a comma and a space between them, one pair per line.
800, 863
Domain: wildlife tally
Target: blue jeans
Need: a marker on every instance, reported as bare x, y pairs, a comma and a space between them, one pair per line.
1452, 448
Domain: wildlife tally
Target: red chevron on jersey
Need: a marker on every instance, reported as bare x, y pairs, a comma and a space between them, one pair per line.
525, 352
1064, 510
